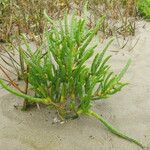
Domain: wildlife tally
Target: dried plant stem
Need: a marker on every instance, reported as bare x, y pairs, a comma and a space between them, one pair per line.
11, 81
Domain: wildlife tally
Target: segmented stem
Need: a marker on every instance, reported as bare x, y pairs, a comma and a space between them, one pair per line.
25, 96
114, 130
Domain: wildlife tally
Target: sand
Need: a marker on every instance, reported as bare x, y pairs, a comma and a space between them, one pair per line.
129, 111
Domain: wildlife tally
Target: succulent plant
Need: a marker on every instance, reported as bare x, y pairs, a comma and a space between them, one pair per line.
60, 77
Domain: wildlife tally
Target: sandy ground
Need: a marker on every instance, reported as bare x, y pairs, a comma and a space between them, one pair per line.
128, 110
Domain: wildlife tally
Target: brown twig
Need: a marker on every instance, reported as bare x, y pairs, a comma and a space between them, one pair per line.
11, 81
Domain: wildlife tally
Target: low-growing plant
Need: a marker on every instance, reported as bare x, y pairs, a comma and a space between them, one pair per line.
60, 76
144, 9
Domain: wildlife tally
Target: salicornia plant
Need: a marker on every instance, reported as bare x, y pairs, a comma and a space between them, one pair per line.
60, 76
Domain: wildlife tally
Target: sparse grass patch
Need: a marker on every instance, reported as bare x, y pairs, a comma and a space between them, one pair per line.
27, 16
120, 16
19, 16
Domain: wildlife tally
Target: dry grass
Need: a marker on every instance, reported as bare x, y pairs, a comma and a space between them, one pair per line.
120, 16
27, 16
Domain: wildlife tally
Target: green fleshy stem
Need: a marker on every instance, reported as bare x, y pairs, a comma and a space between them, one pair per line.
113, 130
90, 113
27, 97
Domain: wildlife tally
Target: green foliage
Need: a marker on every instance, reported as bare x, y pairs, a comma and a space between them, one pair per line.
144, 9
60, 76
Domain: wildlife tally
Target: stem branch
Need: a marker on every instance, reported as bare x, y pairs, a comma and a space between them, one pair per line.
114, 130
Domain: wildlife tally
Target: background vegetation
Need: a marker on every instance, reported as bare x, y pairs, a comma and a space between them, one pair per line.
26, 16
19, 16
144, 9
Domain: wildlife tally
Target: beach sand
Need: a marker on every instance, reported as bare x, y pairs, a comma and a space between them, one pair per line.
128, 110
